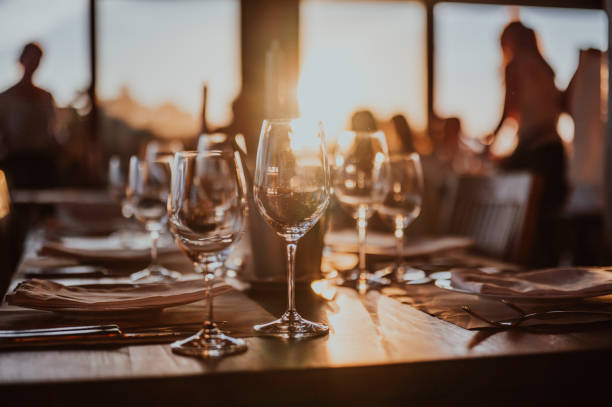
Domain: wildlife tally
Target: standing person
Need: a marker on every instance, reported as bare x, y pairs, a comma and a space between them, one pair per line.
28, 145
535, 103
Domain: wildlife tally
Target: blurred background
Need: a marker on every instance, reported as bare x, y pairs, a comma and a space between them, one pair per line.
431, 74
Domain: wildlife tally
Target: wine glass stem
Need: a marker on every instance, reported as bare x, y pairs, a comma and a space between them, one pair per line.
291, 248
208, 277
399, 245
362, 226
154, 240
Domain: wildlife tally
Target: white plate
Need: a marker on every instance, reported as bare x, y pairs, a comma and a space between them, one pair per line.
448, 285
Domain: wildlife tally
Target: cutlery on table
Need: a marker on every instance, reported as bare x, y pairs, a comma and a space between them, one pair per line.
92, 335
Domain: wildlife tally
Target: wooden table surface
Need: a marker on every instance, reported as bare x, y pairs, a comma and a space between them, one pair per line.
379, 351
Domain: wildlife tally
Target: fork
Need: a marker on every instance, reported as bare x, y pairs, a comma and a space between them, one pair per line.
513, 323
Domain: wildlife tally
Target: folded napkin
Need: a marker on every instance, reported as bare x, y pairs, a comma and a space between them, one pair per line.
383, 244
48, 295
553, 283
117, 247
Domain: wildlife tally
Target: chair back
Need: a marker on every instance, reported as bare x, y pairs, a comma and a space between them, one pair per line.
498, 212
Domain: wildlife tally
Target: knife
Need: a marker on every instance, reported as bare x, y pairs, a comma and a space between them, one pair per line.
91, 335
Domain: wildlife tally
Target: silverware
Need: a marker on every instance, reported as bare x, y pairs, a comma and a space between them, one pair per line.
59, 331
92, 335
523, 316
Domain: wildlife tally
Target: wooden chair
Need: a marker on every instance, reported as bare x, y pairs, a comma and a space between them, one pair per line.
497, 211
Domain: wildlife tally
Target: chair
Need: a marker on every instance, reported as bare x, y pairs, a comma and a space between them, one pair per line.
497, 211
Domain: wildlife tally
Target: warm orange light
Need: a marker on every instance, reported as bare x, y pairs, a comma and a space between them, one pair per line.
5, 200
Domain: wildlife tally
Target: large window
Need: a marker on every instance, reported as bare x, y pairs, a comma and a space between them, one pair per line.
469, 77
61, 28
156, 56
362, 55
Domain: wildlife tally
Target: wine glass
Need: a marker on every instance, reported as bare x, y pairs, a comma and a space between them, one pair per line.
207, 210
117, 187
147, 193
291, 191
403, 205
361, 182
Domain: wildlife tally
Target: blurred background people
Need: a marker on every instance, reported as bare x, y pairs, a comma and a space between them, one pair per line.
404, 133
363, 120
534, 102
28, 129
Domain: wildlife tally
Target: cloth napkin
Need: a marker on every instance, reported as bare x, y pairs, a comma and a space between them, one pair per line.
553, 282
117, 247
383, 244
49, 295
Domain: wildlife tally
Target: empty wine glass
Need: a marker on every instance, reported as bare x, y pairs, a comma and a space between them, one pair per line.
147, 191
361, 182
116, 185
291, 191
403, 205
207, 207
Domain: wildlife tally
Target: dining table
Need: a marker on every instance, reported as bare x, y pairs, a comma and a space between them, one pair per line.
380, 350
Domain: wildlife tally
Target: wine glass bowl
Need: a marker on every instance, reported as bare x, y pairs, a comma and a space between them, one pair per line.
207, 210
291, 191
360, 171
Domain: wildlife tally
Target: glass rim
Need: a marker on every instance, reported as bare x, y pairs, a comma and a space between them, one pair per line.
290, 119
405, 156
198, 153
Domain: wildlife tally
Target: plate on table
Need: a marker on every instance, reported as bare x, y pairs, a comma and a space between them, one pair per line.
109, 299
118, 247
448, 285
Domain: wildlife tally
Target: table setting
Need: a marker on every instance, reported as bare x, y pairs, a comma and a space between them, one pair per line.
77, 289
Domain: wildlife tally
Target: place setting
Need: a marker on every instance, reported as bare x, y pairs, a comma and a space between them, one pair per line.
206, 194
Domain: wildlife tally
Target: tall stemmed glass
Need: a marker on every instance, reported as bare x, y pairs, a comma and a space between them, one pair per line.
147, 194
207, 210
361, 182
291, 191
403, 202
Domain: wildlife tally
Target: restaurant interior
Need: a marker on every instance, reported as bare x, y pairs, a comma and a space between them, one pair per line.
389, 201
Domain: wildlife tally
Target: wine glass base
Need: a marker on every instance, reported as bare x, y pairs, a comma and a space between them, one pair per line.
155, 274
292, 326
371, 281
209, 344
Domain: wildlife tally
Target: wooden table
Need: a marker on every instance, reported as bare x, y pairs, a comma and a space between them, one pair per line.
378, 352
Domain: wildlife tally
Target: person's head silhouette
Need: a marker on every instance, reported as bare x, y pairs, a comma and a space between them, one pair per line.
516, 39
30, 59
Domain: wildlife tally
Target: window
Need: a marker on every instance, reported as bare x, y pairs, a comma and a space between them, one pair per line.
468, 70
156, 56
61, 28
362, 55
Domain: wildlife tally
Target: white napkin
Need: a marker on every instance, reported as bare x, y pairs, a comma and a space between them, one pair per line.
48, 295
384, 243
554, 282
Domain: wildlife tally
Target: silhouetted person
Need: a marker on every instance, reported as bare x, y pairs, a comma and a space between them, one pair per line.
404, 132
363, 120
28, 146
533, 100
